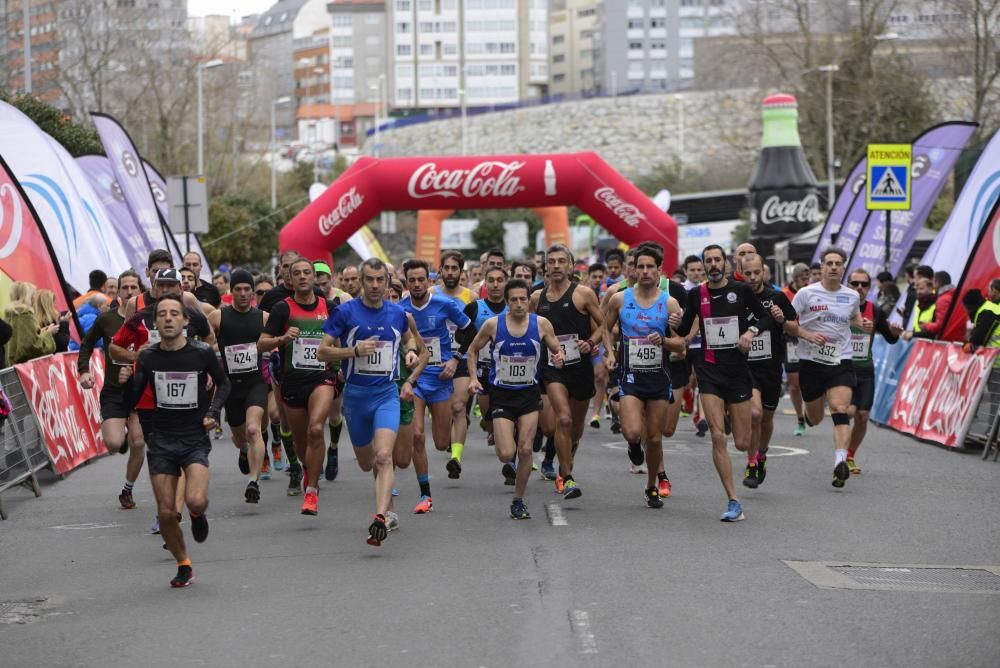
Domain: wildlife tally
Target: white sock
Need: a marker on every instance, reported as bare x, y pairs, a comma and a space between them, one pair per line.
839, 456
312, 490
250, 480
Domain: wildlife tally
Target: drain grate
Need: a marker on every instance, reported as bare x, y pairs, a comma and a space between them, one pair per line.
900, 577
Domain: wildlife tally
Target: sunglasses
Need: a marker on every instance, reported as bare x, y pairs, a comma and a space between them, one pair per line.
260, 293
860, 284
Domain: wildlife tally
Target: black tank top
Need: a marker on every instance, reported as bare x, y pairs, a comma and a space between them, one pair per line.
563, 314
238, 335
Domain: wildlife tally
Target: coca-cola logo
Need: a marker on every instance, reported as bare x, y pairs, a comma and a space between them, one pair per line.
776, 210
629, 213
493, 178
349, 203
951, 398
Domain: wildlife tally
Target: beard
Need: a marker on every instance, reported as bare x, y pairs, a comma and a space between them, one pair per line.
451, 283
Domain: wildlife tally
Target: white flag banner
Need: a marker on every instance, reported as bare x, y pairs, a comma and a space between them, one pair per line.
72, 214
98, 172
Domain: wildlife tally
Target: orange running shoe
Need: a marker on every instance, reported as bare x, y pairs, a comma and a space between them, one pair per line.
310, 503
559, 483
265, 469
664, 488
425, 506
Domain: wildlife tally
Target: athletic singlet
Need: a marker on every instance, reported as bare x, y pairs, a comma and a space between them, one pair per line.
861, 343
635, 325
463, 299
484, 313
354, 322
569, 324
432, 323
298, 357
516, 358
237, 339
768, 345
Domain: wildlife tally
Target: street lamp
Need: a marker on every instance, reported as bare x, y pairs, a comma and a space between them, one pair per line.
201, 112
274, 150
830, 186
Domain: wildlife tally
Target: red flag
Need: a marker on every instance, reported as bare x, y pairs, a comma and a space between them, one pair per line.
982, 267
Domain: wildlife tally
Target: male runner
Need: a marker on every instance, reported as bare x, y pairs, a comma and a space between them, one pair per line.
517, 337
295, 327
432, 313
574, 314
826, 312
642, 314
367, 334
493, 258
800, 279
722, 307
177, 370
335, 420
350, 281
237, 329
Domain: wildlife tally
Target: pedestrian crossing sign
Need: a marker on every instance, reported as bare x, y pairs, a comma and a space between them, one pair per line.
888, 184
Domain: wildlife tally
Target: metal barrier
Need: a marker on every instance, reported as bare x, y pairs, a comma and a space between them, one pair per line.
22, 451
986, 420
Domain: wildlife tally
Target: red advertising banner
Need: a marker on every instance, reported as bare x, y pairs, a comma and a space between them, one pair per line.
939, 391
983, 267
69, 417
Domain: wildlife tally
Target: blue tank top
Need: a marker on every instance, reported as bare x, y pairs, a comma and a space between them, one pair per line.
352, 323
432, 322
635, 324
484, 313
516, 359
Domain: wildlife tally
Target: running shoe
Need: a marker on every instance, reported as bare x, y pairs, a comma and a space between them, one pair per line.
332, 465
595, 421
853, 466
518, 510
800, 429
637, 470
653, 499
761, 469
392, 521
559, 484
734, 513
477, 412
424, 506
635, 454
155, 529
294, 480
265, 468
702, 427
125, 498
218, 433
548, 470
395, 491
243, 462
841, 473
509, 474
750, 476
571, 490
279, 461
252, 493
377, 531
454, 468
310, 503
199, 528
616, 425
184, 577
664, 488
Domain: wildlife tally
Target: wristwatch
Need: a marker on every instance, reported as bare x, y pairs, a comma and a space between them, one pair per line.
754, 329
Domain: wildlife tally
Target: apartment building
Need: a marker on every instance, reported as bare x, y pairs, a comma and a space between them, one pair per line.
572, 26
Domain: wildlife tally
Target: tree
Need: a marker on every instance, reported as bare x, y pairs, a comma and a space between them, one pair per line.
75, 138
974, 30
242, 230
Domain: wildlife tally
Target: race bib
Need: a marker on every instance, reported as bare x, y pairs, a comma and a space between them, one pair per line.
433, 344
485, 355
452, 328
722, 332
516, 370
643, 355
860, 346
760, 346
176, 390
378, 362
570, 345
241, 358
304, 354
792, 352
828, 353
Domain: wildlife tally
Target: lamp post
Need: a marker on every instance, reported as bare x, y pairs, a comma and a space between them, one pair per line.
830, 176
274, 150
201, 112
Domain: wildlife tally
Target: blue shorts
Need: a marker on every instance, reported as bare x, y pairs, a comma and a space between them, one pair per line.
432, 389
599, 357
368, 409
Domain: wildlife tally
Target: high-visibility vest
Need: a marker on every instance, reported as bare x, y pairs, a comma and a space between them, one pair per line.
993, 340
923, 316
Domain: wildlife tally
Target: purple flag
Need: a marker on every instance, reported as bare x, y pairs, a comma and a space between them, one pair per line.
852, 191
98, 171
934, 155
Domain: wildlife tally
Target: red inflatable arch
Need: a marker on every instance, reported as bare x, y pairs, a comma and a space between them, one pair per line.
371, 186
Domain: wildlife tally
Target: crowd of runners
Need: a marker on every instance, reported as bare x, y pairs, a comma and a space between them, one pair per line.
536, 350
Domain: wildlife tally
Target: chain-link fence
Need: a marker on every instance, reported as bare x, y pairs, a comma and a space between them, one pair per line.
986, 420
22, 452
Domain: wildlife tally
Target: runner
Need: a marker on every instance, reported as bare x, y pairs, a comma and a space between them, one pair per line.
570, 388
262, 284
402, 451
237, 329
642, 315
117, 421
368, 333
766, 353
176, 370
295, 327
517, 337
350, 281
826, 312
722, 307
432, 313
800, 279
335, 421
861, 359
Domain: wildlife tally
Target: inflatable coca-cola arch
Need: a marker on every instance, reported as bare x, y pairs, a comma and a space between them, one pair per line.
371, 186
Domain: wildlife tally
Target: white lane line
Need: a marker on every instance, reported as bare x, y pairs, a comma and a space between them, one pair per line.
86, 526
580, 621
555, 513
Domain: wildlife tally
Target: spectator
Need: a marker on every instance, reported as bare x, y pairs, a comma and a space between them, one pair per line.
203, 292
88, 312
111, 289
912, 274
45, 311
925, 307
945, 292
995, 291
985, 317
27, 340
97, 279
888, 293
5, 334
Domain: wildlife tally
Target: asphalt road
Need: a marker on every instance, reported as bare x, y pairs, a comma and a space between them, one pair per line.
82, 583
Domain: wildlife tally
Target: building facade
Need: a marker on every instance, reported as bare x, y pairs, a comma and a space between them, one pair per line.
572, 26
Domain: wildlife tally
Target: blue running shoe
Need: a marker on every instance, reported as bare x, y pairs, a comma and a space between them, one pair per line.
571, 490
519, 511
395, 491
332, 465
548, 470
734, 513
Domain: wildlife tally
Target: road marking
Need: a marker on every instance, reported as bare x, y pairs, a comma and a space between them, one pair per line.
680, 448
87, 525
555, 513
580, 623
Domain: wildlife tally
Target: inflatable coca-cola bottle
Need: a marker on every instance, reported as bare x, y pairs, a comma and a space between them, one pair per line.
784, 199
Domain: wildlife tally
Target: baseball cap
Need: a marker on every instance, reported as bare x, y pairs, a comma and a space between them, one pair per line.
167, 276
322, 268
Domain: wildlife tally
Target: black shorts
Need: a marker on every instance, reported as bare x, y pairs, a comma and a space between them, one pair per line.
646, 387
483, 374
296, 394
680, 373
168, 454
462, 370
113, 403
732, 383
767, 381
864, 392
512, 404
241, 397
146, 422
815, 378
578, 378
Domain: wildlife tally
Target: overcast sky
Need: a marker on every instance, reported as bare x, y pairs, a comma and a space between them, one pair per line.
227, 7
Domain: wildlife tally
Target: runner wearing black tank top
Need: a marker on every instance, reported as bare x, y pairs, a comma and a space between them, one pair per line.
579, 326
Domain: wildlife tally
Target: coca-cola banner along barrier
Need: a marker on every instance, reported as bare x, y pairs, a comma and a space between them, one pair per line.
494, 182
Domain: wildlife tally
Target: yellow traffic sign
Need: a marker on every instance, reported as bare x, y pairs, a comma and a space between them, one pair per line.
888, 184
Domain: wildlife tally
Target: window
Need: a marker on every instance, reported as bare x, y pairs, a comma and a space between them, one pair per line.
636, 24
426, 49
404, 50
403, 27
558, 78
558, 39
403, 5
340, 20
559, 59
